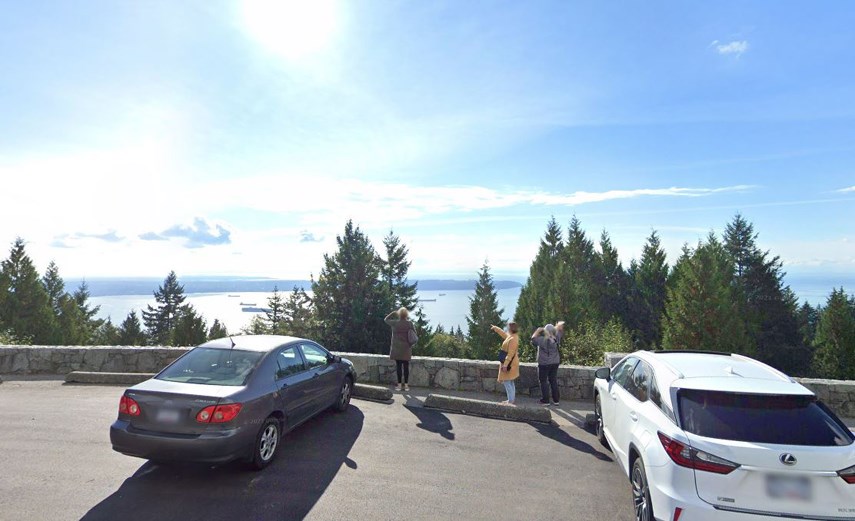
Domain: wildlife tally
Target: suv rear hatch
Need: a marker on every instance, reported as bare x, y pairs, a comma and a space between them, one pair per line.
787, 450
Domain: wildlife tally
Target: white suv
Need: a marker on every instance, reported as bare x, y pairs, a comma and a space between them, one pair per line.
719, 436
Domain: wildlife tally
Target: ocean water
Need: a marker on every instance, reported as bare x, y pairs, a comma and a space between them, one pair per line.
448, 308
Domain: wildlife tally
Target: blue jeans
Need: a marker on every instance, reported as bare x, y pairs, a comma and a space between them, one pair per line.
511, 389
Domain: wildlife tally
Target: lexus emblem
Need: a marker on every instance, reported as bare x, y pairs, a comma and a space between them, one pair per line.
788, 459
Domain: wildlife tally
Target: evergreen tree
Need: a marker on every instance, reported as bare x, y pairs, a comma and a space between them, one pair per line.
350, 298
648, 293
835, 338
106, 334
423, 331
808, 317
218, 330
276, 313
160, 320
483, 312
26, 310
575, 297
588, 343
532, 311
459, 333
88, 324
257, 326
447, 346
700, 312
298, 315
130, 331
394, 270
189, 327
613, 283
55, 288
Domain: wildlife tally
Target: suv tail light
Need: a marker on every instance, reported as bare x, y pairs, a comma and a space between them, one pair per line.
686, 456
128, 405
218, 413
848, 474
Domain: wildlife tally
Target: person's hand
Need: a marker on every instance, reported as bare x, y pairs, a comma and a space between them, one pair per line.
505, 369
560, 326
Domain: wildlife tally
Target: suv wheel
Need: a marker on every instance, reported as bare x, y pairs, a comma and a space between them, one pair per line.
598, 412
641, 492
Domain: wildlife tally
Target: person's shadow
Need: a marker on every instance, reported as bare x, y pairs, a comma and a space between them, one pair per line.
308, 460
432, 421
554, 432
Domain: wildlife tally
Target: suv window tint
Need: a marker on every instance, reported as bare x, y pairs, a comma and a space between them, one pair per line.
655, 395
623, 370
209, 366
639, 381
759, 418
289, 363
315, 356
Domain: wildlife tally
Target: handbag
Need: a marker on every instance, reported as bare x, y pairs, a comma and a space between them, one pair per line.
502, 355
412, 337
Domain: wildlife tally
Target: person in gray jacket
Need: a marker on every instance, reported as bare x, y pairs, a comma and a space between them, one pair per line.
401, 348
546, 340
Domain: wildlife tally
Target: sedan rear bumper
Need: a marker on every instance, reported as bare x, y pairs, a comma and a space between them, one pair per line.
213, 447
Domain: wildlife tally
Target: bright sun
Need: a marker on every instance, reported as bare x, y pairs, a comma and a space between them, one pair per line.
290, 28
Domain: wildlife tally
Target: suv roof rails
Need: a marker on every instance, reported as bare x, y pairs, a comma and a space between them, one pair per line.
780, 374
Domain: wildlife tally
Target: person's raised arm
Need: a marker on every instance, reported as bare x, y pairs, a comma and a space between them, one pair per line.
499, 331
536, 333
391, 318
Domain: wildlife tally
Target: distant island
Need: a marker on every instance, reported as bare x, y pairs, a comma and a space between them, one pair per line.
104, 287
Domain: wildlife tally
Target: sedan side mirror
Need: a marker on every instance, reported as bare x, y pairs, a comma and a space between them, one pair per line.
604, 373
331, 359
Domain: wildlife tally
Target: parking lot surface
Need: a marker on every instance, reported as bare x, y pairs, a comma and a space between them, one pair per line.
374, 462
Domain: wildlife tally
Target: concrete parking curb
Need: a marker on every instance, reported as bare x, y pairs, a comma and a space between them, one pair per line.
86, 377
488, 409
372, 392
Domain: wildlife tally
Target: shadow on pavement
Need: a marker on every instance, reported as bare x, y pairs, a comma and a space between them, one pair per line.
432, 421
308, 460
556, 433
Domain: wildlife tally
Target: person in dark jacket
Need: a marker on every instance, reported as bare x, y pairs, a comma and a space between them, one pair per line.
546, 340
401, 350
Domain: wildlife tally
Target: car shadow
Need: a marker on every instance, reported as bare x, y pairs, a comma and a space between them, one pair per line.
432, 421
556, 433
308, 460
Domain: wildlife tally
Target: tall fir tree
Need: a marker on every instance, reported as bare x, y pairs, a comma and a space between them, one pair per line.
808, 317
613, 282
26, 310
106, 334
298, 315
483, 312
575, 298
835, 338
55, 288
160, 321
350, 298
700, 312
531, 311
275, 312
189, 328
648, 293
218, 330
130, 331
394, 268
86, 314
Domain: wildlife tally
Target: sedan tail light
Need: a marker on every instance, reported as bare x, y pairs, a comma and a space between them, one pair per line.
128, 405
688, 457
218, 413
848, 474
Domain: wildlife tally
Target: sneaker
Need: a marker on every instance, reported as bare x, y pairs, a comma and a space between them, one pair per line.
555, 404
543, 402
406, 387
398, 387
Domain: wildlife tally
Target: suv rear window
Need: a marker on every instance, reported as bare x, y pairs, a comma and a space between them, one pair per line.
208, 366
760, 418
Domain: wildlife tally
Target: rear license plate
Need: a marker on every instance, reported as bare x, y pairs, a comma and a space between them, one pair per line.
168, 415
788, 487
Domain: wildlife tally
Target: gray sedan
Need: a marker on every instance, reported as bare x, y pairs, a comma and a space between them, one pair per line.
231, 399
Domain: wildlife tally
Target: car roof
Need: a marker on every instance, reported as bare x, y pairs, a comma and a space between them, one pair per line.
261, 343
724, 372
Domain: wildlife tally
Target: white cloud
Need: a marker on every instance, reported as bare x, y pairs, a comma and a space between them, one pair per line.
736, 47
847, 190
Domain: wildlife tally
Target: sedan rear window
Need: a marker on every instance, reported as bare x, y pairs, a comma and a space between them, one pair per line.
209, 366
760, 418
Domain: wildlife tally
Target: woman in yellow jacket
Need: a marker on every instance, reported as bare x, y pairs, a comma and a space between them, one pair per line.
509, 370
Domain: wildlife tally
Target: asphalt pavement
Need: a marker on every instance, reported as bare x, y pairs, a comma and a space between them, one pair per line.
376, 461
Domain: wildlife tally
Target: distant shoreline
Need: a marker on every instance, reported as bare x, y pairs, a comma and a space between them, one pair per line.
107, 287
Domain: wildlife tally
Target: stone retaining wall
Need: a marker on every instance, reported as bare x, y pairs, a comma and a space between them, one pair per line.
575, 382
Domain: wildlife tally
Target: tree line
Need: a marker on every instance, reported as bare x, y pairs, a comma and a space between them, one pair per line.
722, 294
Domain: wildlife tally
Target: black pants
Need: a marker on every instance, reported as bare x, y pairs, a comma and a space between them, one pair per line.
548, 372
405, 365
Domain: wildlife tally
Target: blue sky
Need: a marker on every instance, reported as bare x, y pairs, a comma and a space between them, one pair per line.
238, 137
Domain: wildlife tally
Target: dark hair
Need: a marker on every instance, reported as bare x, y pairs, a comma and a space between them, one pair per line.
512, 327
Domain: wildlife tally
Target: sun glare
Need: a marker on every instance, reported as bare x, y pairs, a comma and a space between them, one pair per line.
290, 28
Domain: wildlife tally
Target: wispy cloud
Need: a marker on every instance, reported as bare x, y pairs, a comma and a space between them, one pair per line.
306, 236
110, 236
735, 47
67, 240
846, 190
197, 235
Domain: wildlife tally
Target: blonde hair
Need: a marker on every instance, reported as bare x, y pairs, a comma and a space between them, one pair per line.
403, 313
512, 327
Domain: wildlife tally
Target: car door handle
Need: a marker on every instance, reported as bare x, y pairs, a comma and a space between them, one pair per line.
614, 396
316, 375
633, 416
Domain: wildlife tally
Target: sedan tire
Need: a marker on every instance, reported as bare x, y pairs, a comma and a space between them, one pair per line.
266, 443
344, 395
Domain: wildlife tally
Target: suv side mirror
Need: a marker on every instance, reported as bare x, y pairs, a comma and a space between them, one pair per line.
604, 372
